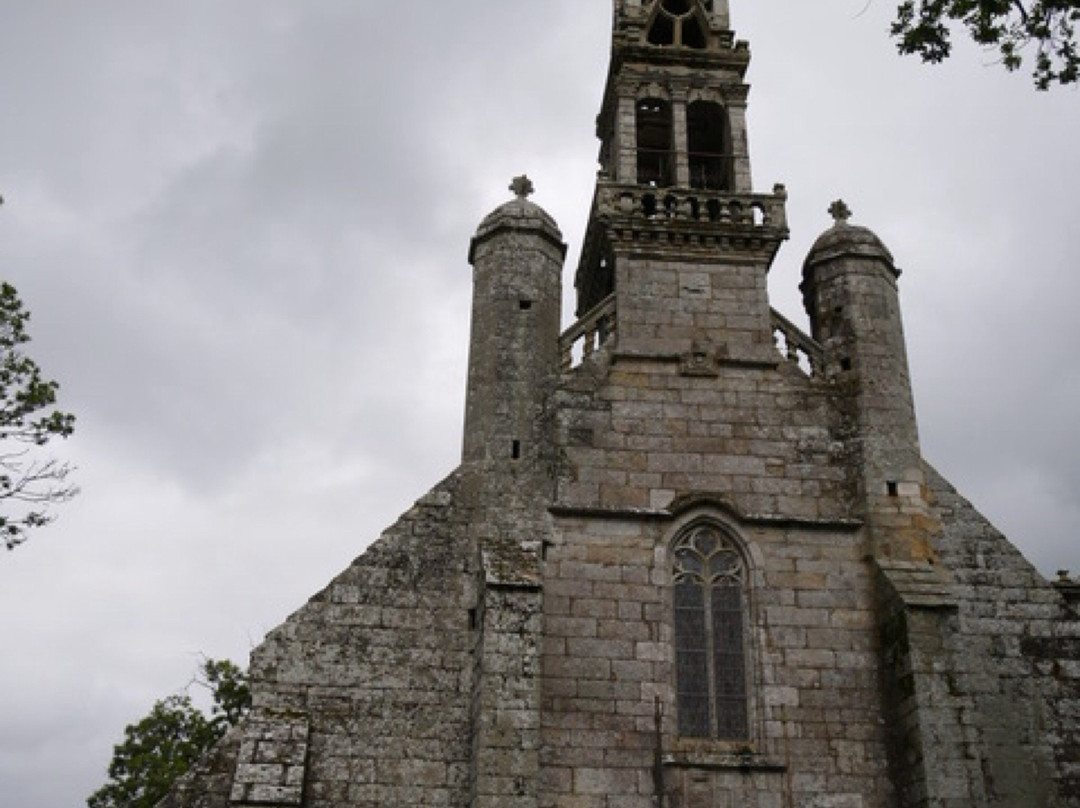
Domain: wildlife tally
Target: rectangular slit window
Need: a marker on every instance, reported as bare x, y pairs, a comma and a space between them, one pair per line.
524, 305
893, 488
515, 450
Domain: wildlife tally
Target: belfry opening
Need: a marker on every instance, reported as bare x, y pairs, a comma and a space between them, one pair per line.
677, 22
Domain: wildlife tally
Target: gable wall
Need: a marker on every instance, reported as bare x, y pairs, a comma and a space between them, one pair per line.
766, 444
641, 432
1014, 663
379, 669
608, 655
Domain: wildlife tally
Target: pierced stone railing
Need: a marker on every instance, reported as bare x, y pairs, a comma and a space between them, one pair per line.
699, 205
797, 347
588, 334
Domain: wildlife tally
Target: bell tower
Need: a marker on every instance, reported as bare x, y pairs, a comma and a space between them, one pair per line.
667, 122
678, 245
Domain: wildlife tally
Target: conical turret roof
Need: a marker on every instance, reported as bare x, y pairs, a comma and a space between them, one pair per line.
844, 238
518, 214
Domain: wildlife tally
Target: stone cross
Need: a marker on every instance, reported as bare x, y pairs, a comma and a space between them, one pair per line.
839, 211
522, 186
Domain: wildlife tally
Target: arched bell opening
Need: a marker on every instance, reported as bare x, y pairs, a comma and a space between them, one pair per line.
654, 159
693, 34
708, 146
678, 22
662, 31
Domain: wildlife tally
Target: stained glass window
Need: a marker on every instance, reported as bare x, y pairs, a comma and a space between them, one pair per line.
710, 655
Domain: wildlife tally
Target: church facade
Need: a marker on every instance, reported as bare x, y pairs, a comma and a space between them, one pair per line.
693, 557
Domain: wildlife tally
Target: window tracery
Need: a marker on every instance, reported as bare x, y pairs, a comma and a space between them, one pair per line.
709, 583
678, 22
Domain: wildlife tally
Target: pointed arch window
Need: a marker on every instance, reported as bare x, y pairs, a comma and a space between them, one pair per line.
710, 627
677, 22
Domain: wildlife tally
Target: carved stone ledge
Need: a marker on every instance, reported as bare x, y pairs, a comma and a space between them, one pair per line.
723, 760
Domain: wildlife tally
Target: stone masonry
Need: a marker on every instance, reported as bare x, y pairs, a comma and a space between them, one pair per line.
693, 557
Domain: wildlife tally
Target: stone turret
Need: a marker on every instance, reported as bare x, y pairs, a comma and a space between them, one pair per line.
851, 296
517, 256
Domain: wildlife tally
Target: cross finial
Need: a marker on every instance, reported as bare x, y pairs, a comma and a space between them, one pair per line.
522, 186
839, 211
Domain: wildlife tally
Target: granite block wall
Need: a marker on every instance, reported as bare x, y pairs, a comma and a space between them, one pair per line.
362, 697
766, 437
1014, 647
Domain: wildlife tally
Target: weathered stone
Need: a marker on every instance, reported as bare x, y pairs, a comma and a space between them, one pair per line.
693, 557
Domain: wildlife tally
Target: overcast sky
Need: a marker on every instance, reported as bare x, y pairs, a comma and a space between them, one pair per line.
242, 229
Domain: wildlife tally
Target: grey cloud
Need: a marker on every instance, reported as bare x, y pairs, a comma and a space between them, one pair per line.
242, 229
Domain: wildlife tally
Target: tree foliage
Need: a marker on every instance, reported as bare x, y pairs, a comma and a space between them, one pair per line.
167, 742
29, 483
1043, 31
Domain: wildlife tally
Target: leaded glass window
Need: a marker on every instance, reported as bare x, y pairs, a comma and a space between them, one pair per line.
710, 653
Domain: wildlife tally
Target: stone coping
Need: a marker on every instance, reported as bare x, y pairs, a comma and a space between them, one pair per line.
723, 760
663, 514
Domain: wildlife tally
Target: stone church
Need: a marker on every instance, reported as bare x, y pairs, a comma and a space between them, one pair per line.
693, 556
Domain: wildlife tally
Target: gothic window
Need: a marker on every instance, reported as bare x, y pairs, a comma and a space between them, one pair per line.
677, 22
710, 624
654, 161
707, 146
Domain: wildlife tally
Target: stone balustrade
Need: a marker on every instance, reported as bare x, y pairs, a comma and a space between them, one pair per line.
588, 334
698, 205
595, 329
796, 346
